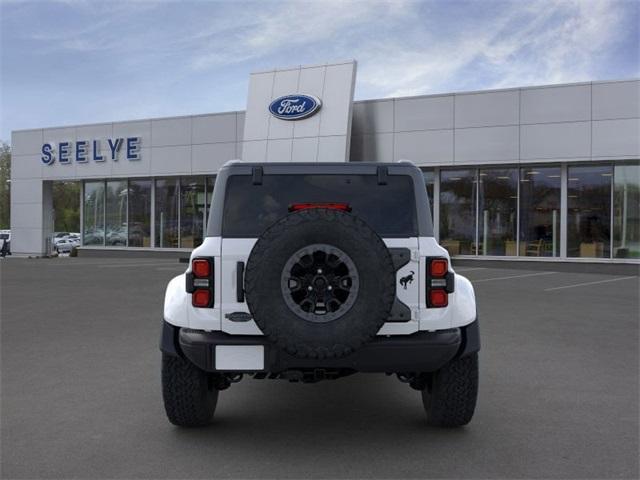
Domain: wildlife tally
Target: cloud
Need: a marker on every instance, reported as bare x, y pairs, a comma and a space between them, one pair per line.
411, 48
254, 33
546, 42
144, 58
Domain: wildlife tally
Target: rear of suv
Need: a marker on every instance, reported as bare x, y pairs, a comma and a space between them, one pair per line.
314, 272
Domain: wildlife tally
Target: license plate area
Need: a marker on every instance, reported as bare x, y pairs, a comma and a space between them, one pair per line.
239, 357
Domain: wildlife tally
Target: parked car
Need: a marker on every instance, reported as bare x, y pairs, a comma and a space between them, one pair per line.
5, 241
65, 245
58, 236
117, 236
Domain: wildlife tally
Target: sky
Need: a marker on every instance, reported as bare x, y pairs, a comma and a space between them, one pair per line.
82, 61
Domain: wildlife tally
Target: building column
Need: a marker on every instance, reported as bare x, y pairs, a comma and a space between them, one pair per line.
31, 216
152, 230
48, 216
563, 210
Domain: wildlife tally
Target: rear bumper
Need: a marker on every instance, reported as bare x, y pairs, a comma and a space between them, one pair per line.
419, 352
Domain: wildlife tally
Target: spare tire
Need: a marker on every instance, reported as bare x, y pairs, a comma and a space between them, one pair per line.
320, 283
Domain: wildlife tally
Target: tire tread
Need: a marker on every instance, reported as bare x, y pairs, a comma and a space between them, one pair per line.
189, 399
452, 398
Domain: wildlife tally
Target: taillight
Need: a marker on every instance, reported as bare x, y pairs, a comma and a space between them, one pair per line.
296, 207
439, 267
200, 282
438, 298
201, 298
201, 267
440, 282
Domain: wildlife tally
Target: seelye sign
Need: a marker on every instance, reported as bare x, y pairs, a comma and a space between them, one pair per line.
294, 107
84, 150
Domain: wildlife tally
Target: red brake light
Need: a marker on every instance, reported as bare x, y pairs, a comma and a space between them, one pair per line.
439, 267
201, 268
296, 207
438, 298
201, 298
199, 282
440, 282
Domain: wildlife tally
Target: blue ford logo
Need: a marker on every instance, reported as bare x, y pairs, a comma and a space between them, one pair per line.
294, 107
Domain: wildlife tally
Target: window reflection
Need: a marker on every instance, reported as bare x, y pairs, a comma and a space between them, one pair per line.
166, 210
626, 211
140, 213
116, 213
458, 211
93, 220
498, 210
192, 201
589, 211
540, 211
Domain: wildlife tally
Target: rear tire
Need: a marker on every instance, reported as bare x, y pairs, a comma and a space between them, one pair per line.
190, 397
450, 395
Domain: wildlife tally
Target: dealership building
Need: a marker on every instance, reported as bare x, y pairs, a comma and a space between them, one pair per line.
545, 173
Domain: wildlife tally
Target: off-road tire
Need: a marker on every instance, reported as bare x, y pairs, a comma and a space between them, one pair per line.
450, 395
350, 330
189, 395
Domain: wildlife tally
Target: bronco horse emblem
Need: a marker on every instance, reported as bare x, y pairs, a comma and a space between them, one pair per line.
404, 281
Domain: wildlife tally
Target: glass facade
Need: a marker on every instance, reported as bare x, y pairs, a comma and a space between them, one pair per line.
116, 213
498, 211
552, 210
164, 213
192, 211
589, 211
458, 194
167, 211
626, 211
94, 211
540, 211
519, 211
139, 213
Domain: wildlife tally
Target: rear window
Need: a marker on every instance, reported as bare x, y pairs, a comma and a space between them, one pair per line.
389, 209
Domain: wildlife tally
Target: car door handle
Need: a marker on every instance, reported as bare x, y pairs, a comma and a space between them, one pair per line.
240, 281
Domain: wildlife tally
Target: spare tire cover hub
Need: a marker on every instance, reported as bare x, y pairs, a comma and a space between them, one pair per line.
319, 283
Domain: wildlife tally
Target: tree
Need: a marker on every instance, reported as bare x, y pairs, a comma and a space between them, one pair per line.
66, 203
5, 185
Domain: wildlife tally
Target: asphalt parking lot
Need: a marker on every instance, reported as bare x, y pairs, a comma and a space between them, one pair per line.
81, 387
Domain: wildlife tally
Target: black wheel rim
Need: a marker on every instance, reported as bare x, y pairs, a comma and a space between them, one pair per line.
320, 283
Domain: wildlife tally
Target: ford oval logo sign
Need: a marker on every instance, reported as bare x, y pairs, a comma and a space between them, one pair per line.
294, 107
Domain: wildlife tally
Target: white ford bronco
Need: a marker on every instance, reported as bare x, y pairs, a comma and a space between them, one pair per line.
313, 272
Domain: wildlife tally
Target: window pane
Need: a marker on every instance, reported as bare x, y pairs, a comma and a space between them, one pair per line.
498, 198
458, 211
140, 213
626, 211
116, 218
589, 211
93, 214
388, 209
192, 199
167, 212
429, 178
540, 212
